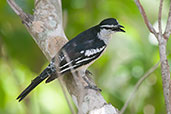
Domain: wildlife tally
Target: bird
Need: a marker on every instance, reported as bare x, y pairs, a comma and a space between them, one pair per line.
78, 54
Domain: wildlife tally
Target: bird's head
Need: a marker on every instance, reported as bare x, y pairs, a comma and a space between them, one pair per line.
111, 25
107, 28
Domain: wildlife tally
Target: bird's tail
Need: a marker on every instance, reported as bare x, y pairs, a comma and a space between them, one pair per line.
47, 72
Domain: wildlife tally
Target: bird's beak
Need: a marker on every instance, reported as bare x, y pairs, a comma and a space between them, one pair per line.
120, 28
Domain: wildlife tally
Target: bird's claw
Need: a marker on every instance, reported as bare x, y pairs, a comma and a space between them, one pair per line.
93, 87
88, 73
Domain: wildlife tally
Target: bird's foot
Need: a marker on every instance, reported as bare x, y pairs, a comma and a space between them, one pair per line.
88, 73
90, 85
93, 87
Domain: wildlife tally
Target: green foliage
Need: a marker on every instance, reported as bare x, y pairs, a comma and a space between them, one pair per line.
127, 58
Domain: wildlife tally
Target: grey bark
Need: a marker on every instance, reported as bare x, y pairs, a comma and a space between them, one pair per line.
162, 39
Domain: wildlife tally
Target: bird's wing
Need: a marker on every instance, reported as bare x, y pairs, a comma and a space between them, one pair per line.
73, 56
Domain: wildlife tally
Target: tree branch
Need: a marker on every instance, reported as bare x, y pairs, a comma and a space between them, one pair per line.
148, 24
165, 72
162, 49
140, 81
159, 17
47, 31
15, 7
26, 18
168, 25
163, 59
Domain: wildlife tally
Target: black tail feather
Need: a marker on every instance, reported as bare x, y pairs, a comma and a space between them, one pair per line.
51, 77
34, 83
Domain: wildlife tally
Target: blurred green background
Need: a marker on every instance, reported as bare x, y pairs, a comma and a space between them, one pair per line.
128, 57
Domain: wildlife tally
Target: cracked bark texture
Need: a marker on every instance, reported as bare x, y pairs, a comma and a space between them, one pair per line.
45, 26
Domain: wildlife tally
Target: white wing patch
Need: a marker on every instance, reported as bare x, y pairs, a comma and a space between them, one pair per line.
66, 64
93, 51
82, 52
71, 67
86, 59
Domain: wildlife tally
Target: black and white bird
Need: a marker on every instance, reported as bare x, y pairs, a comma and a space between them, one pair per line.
82, 51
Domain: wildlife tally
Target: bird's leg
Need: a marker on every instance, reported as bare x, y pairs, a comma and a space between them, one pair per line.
87, 72
89, 84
